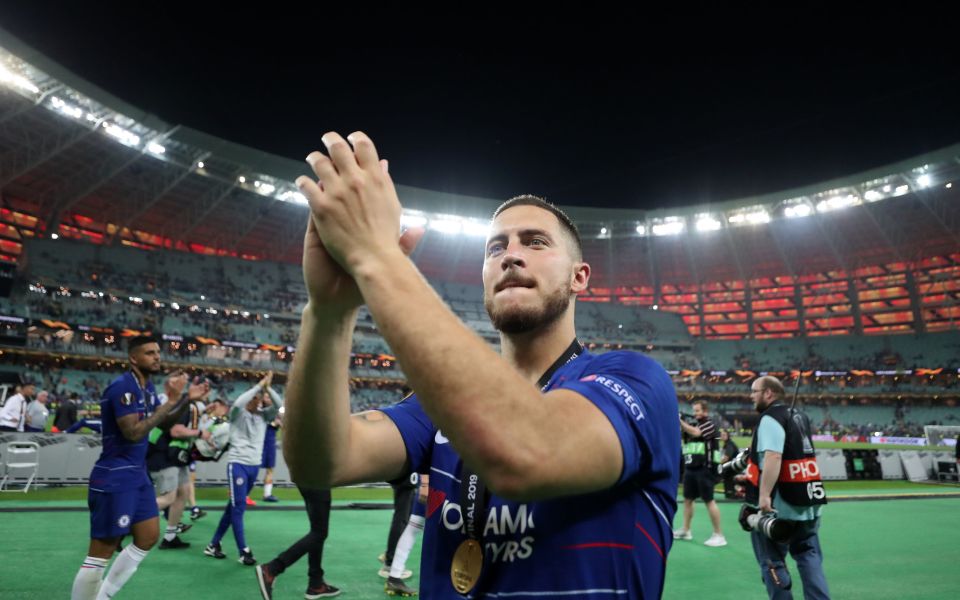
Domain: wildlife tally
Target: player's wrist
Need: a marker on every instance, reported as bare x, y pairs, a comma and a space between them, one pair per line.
376, 265
328, 319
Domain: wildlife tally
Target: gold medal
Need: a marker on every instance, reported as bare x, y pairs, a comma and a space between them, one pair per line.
466, 566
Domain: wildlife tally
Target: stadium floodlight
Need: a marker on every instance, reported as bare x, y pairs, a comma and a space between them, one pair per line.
54, 236
242, 179
837, 202
123, 136
156, 148
797, 211
641, 230
446, 225
655, 307
669, 226
872, 196
924, 180
264, 187
887, 188
603, 231
901, 190
476, 228
174, 306
67, 109
18, 81
949, 185
752, 217
707, 223
409, 220
200, 165
292, 196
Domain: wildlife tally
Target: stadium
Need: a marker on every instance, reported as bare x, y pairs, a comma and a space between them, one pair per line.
114, 224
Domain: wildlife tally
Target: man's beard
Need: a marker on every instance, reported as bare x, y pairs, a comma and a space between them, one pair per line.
148, 371
524, 320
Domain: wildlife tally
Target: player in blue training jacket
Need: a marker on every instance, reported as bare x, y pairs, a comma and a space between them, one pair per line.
121, 496
553, 471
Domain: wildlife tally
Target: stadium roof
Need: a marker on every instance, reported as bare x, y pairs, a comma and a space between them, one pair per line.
79, 160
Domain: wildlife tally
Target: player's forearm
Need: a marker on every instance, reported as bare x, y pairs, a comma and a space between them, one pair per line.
182, 432
317, 413
162, 417
490, 412
176, 411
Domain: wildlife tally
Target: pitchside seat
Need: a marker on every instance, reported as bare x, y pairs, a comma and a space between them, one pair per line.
22, 458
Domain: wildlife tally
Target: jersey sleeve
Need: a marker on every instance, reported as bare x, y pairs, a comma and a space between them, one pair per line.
638, 398
193, 416
122, 400
241, 403
186, 419
708, 430
770, 435
416, 429
271, 412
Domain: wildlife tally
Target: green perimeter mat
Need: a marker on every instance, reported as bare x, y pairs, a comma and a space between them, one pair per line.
76, 496
874, 550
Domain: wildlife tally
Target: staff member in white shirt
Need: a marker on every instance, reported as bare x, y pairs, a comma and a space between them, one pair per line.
14, 410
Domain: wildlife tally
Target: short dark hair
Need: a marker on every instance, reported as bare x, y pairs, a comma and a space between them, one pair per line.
531, 200
140, 340
703, 404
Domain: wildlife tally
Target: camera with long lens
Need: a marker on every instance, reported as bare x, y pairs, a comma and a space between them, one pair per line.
737, 465
778, 530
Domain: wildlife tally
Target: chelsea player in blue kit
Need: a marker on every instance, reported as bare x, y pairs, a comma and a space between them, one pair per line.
553, 471
121, 496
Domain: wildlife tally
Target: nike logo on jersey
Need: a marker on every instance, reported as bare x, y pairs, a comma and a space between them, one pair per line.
440, 438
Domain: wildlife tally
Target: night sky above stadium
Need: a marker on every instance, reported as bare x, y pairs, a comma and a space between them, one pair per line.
585, 127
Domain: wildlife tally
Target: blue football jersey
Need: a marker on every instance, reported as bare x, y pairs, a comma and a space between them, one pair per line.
122, 464
607, 544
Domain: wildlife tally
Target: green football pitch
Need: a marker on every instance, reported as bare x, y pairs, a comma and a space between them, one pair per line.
876, 543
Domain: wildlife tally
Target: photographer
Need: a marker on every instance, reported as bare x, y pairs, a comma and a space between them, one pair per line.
783, 478
728, 451
168, 457
700, 457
